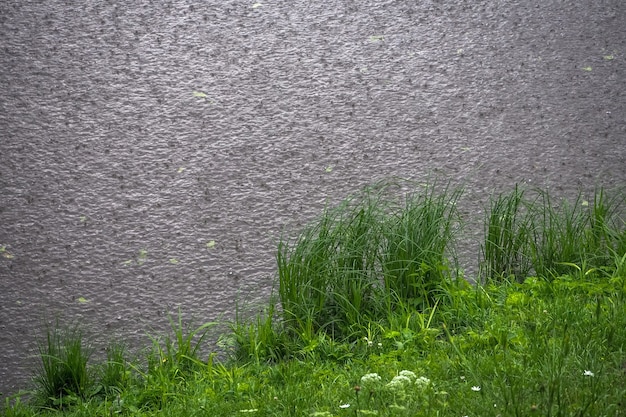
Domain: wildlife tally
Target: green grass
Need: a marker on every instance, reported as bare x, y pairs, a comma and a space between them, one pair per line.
417, 245
365, 258
63, 377
508, 235
527, 233
115, 372
527, 346
370, 319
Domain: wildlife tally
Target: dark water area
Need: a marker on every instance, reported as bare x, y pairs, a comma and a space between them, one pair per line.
152, 152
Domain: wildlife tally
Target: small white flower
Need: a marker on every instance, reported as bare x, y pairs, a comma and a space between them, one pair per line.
372, 378
476, 388
422, 382
344, 406
395, 385
408, 374
400, 379
588, 373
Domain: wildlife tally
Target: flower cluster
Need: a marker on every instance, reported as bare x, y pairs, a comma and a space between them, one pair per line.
399, 385
371, 380
422, 382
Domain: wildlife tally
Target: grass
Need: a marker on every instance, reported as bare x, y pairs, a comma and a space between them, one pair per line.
417, 246
531, 235
508, 232
365, 258
417, 340
63, 377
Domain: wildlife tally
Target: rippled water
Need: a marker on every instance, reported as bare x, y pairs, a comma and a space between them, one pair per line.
152, 152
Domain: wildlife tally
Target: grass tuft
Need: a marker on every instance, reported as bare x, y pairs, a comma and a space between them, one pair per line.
417, 245
63, 377
370, 254
508, 231
533, 235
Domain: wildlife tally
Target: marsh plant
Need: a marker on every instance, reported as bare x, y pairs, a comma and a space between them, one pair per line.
366, 256
63, 377
115, 373
527, 233
416, 246
177, 355
508, 232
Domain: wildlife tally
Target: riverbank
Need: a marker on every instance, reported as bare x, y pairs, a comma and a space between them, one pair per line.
538, 348
359, 327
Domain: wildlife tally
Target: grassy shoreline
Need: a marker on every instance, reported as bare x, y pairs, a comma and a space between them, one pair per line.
371, 317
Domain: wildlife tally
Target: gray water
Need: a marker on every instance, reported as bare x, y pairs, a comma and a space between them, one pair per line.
151, 152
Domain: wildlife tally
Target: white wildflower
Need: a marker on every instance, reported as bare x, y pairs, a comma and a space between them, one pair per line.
401, 379
408, 374
422, 382
588, 373
395, 385
370, 379
476, 388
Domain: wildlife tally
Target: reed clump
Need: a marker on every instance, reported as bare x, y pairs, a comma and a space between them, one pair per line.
527, 233
364, 258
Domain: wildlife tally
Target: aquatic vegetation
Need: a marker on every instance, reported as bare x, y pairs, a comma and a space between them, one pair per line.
376, 38
506, 249
5, 253
115, 373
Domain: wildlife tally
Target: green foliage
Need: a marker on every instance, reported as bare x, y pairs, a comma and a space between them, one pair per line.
416, 246
370, 254
260, 339
115, 373
62, 377
368, 322
328, 276
542, 347
172, 363
508, 229
534, 235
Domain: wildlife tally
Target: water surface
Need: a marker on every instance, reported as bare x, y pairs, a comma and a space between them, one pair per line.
151, 153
